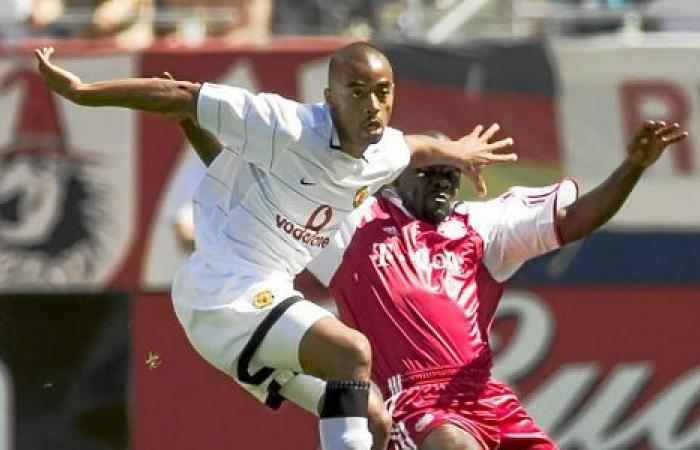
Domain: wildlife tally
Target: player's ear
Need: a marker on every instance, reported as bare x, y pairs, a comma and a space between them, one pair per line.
327, 95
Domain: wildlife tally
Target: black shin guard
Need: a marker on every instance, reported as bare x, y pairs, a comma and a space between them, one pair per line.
345, 399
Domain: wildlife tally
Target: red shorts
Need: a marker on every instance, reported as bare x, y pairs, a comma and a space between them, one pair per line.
491, 413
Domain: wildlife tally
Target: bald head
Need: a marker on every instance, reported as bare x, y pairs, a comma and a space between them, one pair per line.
354, 54
360, 95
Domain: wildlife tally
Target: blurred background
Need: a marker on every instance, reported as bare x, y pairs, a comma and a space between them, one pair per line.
600, 338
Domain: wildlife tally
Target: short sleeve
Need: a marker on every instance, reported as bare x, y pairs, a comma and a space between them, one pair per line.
519, 225
249, 125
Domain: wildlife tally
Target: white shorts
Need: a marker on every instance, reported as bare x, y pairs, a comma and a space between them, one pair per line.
219, 338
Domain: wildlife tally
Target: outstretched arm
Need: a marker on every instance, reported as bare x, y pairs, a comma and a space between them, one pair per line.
471, 153
176, 99
596, 207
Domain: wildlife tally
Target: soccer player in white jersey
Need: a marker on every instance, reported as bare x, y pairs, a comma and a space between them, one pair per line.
421, 277
270, 201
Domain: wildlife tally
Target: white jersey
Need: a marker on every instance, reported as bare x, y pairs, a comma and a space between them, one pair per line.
275, 195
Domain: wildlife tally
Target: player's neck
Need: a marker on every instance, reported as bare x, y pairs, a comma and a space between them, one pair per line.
344, 142
356, 151
351, 147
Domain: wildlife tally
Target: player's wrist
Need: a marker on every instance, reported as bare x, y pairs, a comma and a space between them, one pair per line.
636, 163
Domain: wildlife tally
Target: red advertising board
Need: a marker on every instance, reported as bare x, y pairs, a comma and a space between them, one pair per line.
600, 368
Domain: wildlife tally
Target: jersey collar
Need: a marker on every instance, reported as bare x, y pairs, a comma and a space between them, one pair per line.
334, 141
390, 195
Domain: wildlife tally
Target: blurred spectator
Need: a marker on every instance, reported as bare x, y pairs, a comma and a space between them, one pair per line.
351, 16
236, 21
295, 17
675, 15
14, 17
357, 18
21, 19
129, 22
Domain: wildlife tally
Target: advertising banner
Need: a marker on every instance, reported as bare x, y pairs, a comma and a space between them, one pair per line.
598, 368
608, 88
605, 368
68, 180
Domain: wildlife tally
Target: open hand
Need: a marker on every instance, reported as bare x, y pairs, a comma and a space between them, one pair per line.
651, 140
479, 153
57, 79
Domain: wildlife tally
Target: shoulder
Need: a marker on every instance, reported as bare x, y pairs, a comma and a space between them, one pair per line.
550, 197
518, 204
559, 194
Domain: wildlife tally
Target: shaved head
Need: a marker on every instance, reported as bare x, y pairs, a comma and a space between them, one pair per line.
355, 53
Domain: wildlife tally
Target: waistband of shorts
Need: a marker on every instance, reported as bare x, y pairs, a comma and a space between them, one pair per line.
469, 376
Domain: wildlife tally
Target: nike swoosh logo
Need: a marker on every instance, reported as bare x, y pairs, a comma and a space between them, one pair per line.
307, 183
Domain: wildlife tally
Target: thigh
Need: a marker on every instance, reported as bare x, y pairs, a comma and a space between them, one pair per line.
450, 437
421, 423
517, 430
281, 347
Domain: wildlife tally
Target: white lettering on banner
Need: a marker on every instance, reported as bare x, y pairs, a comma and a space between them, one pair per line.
556, 404
533, 336
6, 411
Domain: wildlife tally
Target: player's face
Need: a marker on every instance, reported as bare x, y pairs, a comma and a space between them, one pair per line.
428, 193
361, 97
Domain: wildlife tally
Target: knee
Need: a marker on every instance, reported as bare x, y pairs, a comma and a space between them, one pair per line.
354, 358
333, 351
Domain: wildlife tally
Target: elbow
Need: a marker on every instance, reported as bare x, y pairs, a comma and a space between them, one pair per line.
572, 226
80, 95
187, 94
567, 235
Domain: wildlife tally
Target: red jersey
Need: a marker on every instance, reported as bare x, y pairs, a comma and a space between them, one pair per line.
425, 295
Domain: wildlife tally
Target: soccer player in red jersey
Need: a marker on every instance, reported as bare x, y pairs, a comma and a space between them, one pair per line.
421, 277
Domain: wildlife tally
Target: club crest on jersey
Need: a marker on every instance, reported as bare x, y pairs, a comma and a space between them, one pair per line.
263, 299
360, 196
390, 230
452, 229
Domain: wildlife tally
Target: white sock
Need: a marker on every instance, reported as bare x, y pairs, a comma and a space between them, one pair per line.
345, 433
